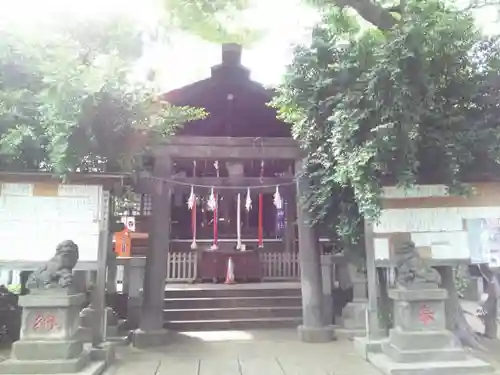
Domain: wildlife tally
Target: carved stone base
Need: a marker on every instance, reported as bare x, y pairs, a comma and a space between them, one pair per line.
365, 346
49, 343
420, 343
147, 339
316, 335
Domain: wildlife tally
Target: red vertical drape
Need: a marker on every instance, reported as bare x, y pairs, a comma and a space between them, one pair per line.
216, 221
260, 229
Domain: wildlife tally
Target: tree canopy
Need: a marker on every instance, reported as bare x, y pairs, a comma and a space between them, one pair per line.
69, 102
414, 100
70, 97
218, 21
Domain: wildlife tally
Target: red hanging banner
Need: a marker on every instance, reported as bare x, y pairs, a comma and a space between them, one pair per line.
216, 233
260, 229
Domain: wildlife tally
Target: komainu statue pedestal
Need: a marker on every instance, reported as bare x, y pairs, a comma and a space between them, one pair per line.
419, 342
48, 343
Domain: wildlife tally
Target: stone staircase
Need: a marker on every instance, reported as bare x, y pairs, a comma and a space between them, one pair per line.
245, 306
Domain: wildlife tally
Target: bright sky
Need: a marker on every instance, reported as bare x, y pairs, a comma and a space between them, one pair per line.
188, 59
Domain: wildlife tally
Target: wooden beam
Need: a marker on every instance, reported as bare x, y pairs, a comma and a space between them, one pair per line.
229, 148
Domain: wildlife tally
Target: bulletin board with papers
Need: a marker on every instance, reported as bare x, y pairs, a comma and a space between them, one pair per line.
34, 218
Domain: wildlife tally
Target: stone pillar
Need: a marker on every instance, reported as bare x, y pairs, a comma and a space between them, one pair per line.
112, 273
474, 290
151, 332
354, 314
313, 328
374, 334
126, 276
86, 314
328, 277
48, 343
135, 284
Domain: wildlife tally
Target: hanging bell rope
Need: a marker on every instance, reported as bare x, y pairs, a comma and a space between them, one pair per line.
238, 222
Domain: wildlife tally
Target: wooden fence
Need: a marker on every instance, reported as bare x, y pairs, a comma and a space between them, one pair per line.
280, 266
182, 266
275, 266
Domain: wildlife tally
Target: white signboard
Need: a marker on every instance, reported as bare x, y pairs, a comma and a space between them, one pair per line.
32, 225
470, 233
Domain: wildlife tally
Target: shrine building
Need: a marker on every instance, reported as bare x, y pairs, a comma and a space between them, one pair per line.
216, 215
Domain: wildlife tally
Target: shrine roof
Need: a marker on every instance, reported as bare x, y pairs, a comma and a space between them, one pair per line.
237, 105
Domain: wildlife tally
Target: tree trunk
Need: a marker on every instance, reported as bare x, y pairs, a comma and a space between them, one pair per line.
371, 12
491, 309
385, 305
490, 306
455, 318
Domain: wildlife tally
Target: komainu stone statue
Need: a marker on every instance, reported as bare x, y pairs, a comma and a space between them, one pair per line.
57, 273
412, 271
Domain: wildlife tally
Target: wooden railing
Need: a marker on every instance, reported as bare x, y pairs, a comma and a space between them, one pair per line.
280, 266
275, 266
182, 266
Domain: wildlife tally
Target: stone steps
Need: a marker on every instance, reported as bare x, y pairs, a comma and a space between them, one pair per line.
243, 306
232, 302
232, 313
250, 290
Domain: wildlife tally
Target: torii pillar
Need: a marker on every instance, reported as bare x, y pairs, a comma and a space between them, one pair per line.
314, 326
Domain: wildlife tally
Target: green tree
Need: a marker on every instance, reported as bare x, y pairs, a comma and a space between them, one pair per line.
410, 100
218, 21
69, 102
68, 97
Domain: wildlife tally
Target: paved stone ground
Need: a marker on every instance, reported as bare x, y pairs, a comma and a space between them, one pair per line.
273, 352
